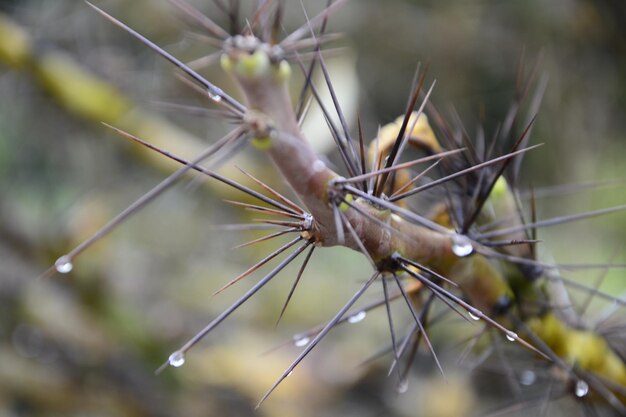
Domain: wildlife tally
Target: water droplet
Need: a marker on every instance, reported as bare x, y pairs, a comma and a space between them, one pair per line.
403, 386
64, 264
318, 165
462, 246
582, 388
177, 359
214, 96
355, 318
527, 377
289, 374
473, 315
511, 336
301, 341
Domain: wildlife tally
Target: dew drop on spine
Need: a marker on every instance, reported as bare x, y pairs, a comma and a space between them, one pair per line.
462, 246
177, 359
581, 389
357, 317
511, 336
64, 264
300, 341
473, 315
403, 386
214, 96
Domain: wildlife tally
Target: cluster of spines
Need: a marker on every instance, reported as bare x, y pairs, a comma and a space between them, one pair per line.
468, 177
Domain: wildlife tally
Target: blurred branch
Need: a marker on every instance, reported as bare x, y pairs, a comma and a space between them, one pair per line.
84, 95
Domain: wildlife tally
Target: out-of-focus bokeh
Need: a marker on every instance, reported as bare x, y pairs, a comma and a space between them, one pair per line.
87, 343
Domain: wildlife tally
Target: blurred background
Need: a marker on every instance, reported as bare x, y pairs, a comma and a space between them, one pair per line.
87, 343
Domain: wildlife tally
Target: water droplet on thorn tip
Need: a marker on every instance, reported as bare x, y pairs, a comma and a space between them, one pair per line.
511, 336
582, 388
355, 318
473, 316
462, 246
403, 386
214, 96
177, 359
64, 264
300, 341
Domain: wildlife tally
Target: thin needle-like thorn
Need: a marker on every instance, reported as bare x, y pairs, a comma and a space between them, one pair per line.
512, 242
430, 271
362, 150
280, 222
524, 261
319, 336
474, 311
254, 207
420, 324
191, 110
508, 369
404, 165
357, 239
487, 191
553, 222
338, 224
565, 189
331, 90
301, 107
375, 163
342, 120
260, 18
305, 111
404, 140
201, 19
402, 348
333, 129
266, 238
416, 178
392, 332
470, 346
407, 214
399, 139
153, 193
267, 278
533, 219
413, 331
295, 283
205, 61
407, 134
260, 263
213, 90
243, 226
205, 171
295, 208
593, 292
373, 218
315, 330
533, 109
462, 172
312, 23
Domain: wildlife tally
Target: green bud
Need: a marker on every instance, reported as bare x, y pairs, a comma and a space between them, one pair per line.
253, 66
263, 143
